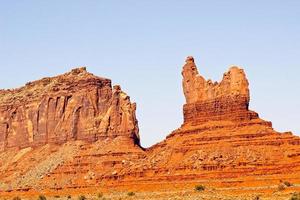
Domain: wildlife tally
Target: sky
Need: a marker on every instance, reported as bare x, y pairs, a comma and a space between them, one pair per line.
142, 45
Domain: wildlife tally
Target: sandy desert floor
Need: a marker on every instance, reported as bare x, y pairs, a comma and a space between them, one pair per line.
186, 194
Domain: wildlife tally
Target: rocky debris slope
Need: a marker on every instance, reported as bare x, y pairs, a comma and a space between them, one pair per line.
221, 143
73, 106
72, 165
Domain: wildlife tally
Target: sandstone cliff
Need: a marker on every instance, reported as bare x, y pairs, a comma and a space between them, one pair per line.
80, 133
72, 106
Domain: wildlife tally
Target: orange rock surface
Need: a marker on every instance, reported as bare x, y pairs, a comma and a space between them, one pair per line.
73, 106
208, 101
75, 132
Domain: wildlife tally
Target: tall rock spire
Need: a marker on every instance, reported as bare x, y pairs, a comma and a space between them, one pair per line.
213, 101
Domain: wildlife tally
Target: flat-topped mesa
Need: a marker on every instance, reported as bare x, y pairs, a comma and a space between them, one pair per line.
74, 106
68, 82
212, 101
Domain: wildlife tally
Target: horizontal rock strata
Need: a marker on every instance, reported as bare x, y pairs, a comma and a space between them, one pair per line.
213, 101
76, 131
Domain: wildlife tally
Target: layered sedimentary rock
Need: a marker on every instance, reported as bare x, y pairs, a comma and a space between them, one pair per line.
73, 106
213, 101
221, 142
82, 133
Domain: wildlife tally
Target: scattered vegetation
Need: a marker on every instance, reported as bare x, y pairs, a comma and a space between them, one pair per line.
100, 195
130, 194
42, 197
81, 197
287, 184
295, 196
199, 188
16, 198
256, 198
69, 197
281, 187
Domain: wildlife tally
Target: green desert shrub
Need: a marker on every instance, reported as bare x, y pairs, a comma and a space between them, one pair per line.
42, 197
199, 188
256, 198
130, 194
295, 196
81, 197
100, 195
287, 184
281, 187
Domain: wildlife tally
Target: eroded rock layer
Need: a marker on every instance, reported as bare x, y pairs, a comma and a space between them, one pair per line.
73, 106
221, 142
213, 101
81, 133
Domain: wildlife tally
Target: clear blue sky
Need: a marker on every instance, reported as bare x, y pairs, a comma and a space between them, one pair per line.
142, 46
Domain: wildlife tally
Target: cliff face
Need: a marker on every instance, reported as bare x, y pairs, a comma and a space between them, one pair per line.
73, 106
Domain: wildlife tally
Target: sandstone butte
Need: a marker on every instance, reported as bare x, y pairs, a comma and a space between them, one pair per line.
77, 132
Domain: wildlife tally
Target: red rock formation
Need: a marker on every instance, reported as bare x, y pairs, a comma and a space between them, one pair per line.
76, 105
208, 101
220, 144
